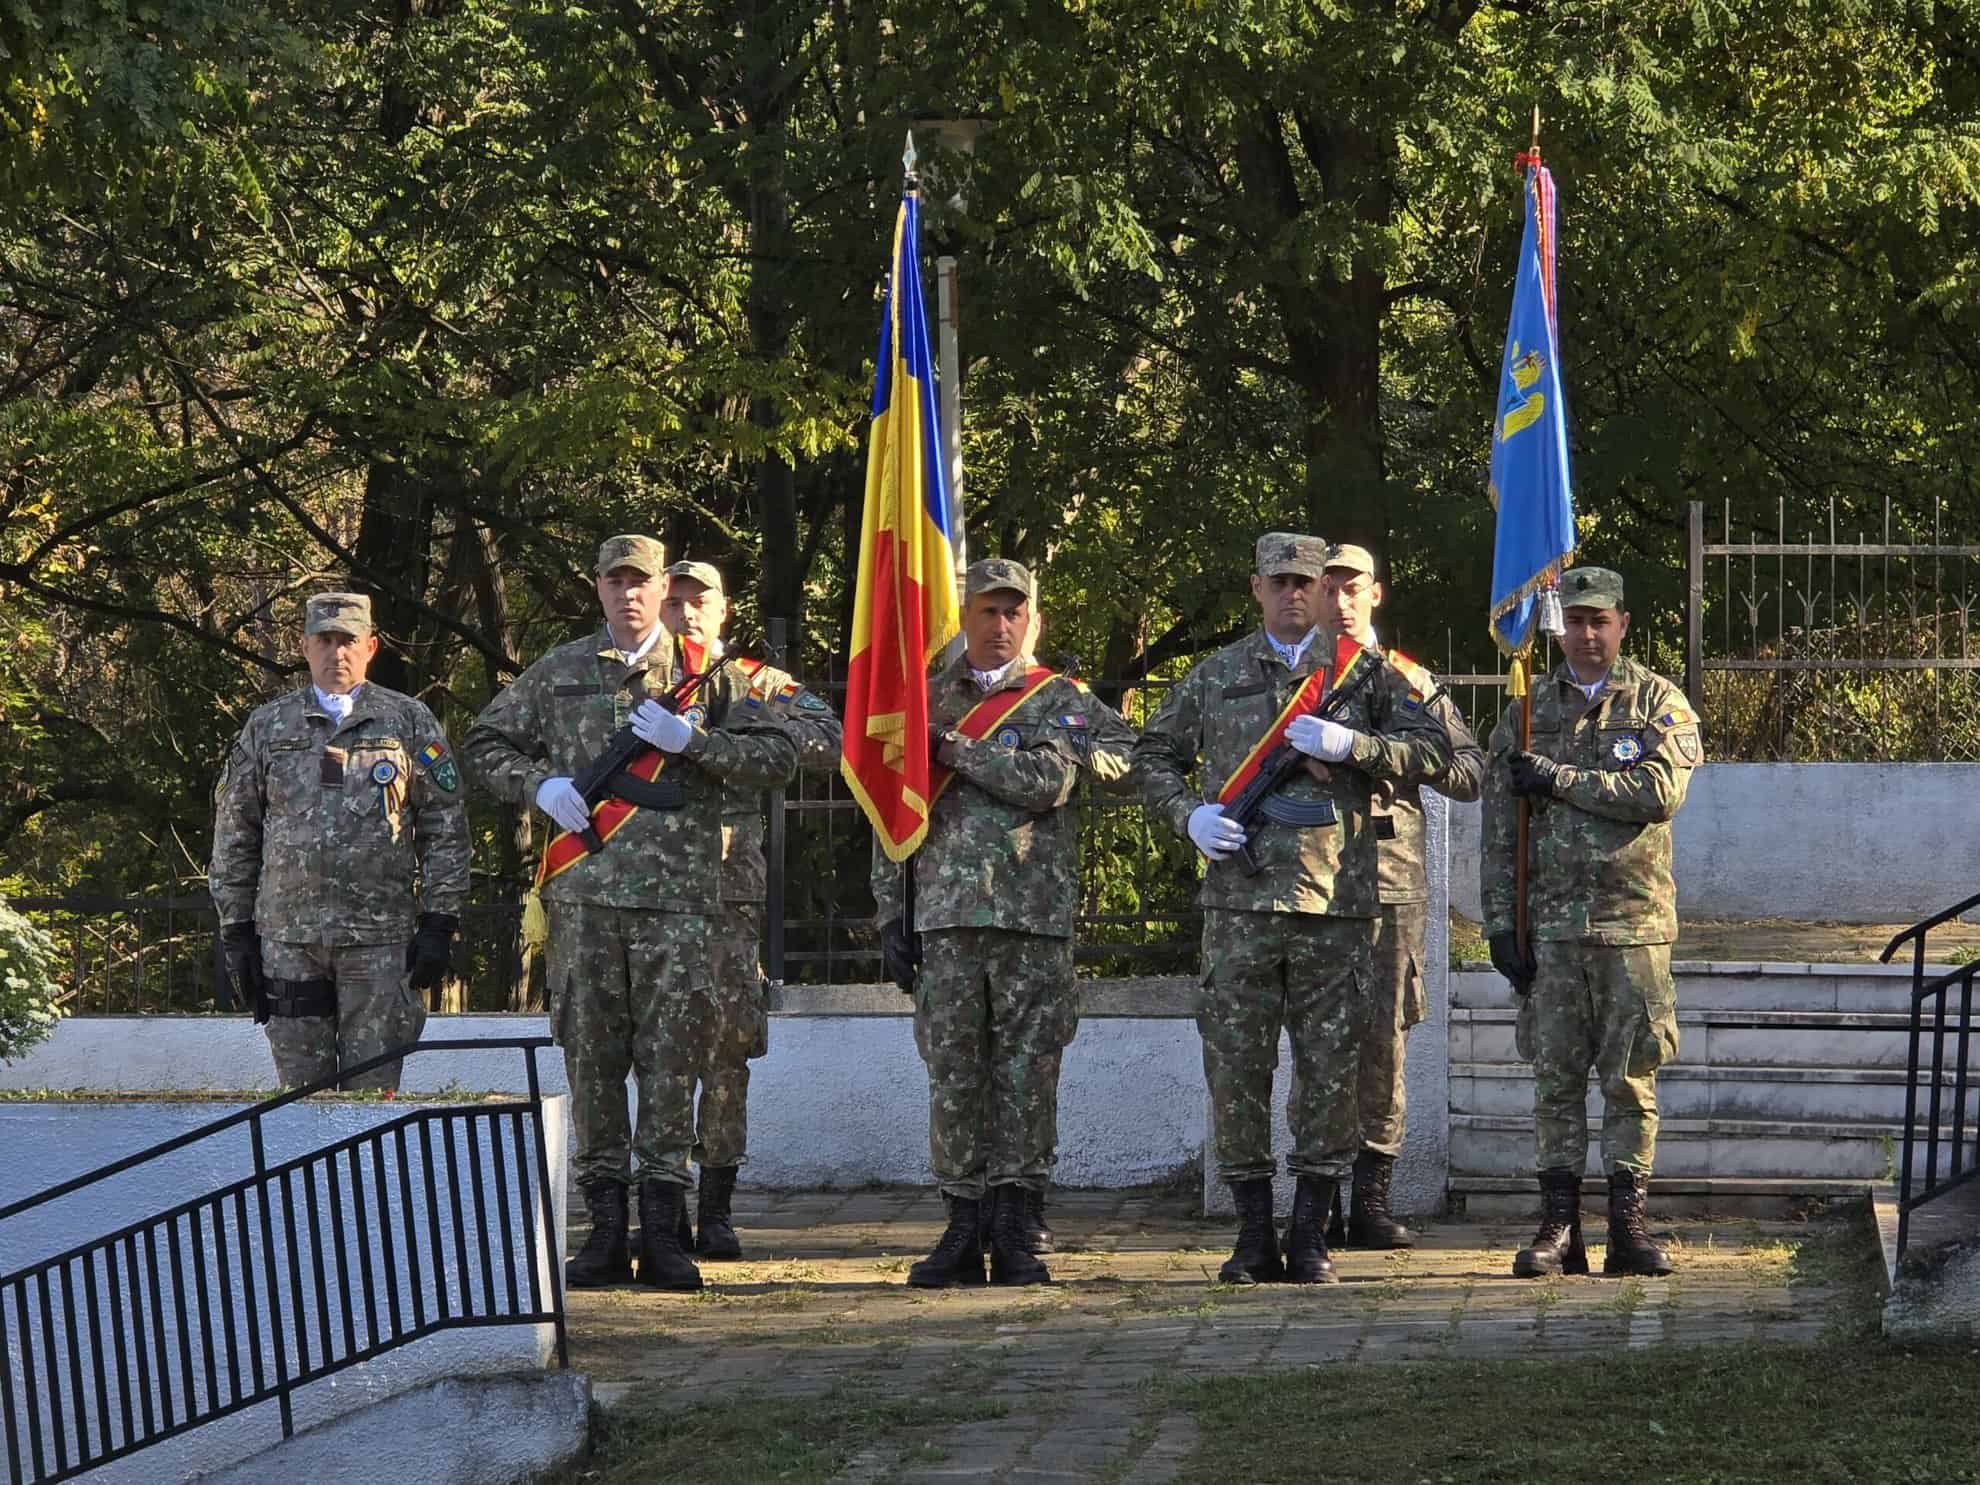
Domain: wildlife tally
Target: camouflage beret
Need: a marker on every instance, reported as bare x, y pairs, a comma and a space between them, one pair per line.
704, 573
337, 613
1591, 587
641, 553
994, 574
1346, 557
1287, 552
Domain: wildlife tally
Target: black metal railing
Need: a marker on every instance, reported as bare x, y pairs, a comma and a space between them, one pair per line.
436, 1220
1916, 1188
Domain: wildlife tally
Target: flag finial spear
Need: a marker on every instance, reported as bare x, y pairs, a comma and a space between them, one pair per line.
908, 157
1536, 132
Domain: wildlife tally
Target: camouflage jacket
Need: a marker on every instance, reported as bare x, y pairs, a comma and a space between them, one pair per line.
1002, 849
339, 835
1215, 715
808, 720
1401, 871
1599, 856
556, 716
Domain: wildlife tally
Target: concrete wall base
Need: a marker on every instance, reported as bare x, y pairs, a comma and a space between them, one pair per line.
457, 1431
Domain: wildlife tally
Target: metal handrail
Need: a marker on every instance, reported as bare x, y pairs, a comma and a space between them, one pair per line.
255, 1284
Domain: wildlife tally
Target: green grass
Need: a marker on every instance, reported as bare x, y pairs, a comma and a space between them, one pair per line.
754, 1440
1868, 1412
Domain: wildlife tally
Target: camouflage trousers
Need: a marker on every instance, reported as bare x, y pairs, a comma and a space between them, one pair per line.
630, 991
1612, 1007
742, 1031
376, 1011
994, 1011
1391, 1003
1305, 973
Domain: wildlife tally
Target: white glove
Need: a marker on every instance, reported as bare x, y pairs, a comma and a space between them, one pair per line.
560, 800
1317, 737
1215, 834
653, 723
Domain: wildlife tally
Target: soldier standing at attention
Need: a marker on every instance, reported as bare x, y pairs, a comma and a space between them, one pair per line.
631, 978
1291, 946
335, 799
996, 889
695, 610
1613, 746
1350, 594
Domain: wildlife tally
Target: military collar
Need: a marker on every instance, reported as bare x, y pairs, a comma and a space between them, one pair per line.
1258, 646
1624, 678
659, 656
959, 672
364, 708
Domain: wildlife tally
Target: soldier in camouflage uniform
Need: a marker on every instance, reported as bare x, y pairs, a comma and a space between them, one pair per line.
336, 800
1350, 595
696, 608
1291, 946
1613, 746
631, 974
996, 887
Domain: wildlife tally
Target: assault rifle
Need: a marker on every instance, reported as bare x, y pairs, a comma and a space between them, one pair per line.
607, 777
1261, 797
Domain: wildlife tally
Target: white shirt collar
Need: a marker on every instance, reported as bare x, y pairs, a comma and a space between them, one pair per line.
988, 679
1594, 688
1291, 654
633, 657
337, 705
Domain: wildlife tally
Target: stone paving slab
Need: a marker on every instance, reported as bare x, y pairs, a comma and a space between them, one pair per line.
821, 1301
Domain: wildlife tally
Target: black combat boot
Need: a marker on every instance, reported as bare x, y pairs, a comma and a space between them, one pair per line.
1306, 1235
1556, 1247
1011, 1260
1255, 1260
1373, 1225
958, 1256
1337, 1229
1630, 1248
663, 1263
603, 1260
1038, 1238
718, 1234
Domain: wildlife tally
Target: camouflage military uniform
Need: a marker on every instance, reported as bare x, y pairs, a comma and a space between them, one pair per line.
1601, 904
721, 1122
996, 891
630, 957
1395, 1001
1291, 946
320, 832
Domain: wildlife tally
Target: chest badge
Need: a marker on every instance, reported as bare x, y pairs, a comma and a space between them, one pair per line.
384, 773
1627, 749
695, 715
1009, 737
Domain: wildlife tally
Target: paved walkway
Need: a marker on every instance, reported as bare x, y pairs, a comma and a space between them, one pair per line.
822, 1300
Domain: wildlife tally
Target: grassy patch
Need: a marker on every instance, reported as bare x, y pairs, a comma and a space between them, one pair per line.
755, 1440
1867, 1412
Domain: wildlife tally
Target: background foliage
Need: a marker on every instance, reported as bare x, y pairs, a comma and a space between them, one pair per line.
426, 296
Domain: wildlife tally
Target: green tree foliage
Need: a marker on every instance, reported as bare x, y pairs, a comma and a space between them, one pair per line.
428, 296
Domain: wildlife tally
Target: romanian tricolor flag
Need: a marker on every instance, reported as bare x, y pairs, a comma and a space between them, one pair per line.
1530, 483
905, 609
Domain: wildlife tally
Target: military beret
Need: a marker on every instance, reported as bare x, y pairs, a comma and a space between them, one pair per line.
641, 553
1286, 552
704, 573
994, 574
337, 613
1591, 587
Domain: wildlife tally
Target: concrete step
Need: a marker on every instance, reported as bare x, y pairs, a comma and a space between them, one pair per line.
1716, 985
1502, 1145
1727, 1038
1684, 1091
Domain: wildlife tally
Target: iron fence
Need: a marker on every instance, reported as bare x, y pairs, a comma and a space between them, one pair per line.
436, 1220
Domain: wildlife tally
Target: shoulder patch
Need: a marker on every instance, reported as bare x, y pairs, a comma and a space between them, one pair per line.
438, 766
810, 701
1070, 719
1677, 716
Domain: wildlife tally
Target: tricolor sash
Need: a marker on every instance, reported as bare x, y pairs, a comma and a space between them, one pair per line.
978, 722
610, 814
1347, 652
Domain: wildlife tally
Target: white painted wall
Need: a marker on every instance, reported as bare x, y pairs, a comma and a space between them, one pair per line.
47, 1143
1821, 842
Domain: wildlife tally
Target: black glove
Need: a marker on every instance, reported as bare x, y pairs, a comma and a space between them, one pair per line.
1533, 775
900, 953
241, 946
1507, 961
431, 953
936, 737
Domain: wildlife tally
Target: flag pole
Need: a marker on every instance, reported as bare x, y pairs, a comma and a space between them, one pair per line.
910, 186
1522, 937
